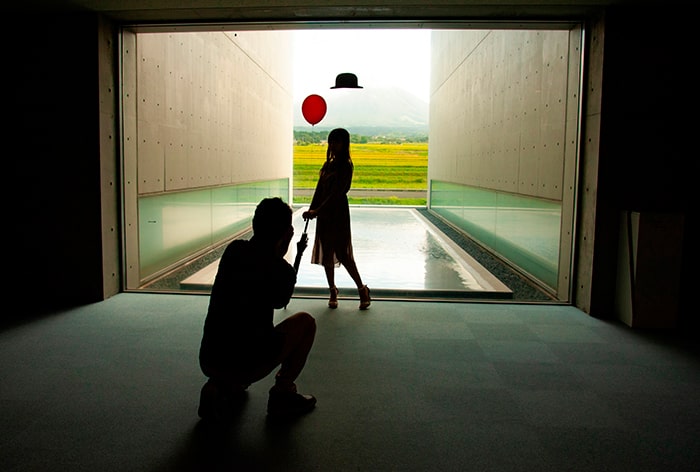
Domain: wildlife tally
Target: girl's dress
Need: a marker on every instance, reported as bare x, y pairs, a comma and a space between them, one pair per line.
333, 241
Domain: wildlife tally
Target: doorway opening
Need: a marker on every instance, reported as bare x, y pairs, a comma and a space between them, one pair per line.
208, 130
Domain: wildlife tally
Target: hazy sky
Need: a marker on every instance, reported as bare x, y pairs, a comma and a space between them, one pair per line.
379, 58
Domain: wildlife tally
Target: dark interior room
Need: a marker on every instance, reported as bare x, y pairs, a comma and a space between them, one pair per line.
98, 377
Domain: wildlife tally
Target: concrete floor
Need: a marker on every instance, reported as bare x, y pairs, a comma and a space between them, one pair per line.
404, 386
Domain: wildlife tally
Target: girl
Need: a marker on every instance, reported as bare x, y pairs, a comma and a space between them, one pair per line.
333, 243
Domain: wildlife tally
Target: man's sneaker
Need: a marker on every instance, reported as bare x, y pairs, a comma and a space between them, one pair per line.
288, 404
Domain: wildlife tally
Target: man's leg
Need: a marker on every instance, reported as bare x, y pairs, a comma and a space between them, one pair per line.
298, 332
221, 396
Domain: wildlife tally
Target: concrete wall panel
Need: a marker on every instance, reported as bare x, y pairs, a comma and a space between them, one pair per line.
202, 110
151, 169
175, 148
504, 106
498, 101
209, 109
109, 163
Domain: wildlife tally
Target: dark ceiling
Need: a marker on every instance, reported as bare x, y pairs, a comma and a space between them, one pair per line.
336, 11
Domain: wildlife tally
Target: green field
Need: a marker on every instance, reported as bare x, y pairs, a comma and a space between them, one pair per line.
377, 166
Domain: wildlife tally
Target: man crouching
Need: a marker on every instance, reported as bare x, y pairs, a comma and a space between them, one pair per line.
240, 343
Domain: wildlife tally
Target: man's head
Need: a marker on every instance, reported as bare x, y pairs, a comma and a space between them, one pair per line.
272, 220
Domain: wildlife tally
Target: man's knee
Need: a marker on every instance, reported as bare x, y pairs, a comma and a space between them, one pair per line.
298, 324
307, 321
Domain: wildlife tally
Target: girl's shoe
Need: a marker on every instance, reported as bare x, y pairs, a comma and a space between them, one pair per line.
333, 300
364, 297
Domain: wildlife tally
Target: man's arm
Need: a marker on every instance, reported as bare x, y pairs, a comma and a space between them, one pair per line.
285, 279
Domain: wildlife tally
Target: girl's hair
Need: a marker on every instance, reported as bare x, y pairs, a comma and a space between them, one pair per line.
339, 135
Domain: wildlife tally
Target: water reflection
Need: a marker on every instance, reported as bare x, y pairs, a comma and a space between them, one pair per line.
399, 254
396, 248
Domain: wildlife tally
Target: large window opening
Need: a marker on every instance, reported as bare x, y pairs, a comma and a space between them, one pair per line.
212, 123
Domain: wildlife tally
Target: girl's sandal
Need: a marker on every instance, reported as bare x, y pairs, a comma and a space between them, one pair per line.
365, 300
333, 300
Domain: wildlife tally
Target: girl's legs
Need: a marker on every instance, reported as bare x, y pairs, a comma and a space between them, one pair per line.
362, 289
330, 277
351, 267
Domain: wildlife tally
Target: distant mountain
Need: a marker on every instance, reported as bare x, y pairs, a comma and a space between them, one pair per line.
369, 108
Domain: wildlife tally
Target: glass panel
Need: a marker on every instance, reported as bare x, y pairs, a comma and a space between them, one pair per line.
172, 226
523, 230
175, 226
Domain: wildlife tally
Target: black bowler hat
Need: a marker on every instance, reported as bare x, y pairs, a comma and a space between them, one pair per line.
346, 80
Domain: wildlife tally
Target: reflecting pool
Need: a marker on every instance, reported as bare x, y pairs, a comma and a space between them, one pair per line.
398, 253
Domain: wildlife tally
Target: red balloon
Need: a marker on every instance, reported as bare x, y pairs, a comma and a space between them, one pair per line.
313, 108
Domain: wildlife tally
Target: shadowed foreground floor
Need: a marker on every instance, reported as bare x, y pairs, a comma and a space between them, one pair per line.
410, 386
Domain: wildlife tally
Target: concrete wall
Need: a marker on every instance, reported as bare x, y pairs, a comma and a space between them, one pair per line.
202, 110
589, 295
61, 197
504, 118
110, 171
643, 161
498, 108
212, 109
